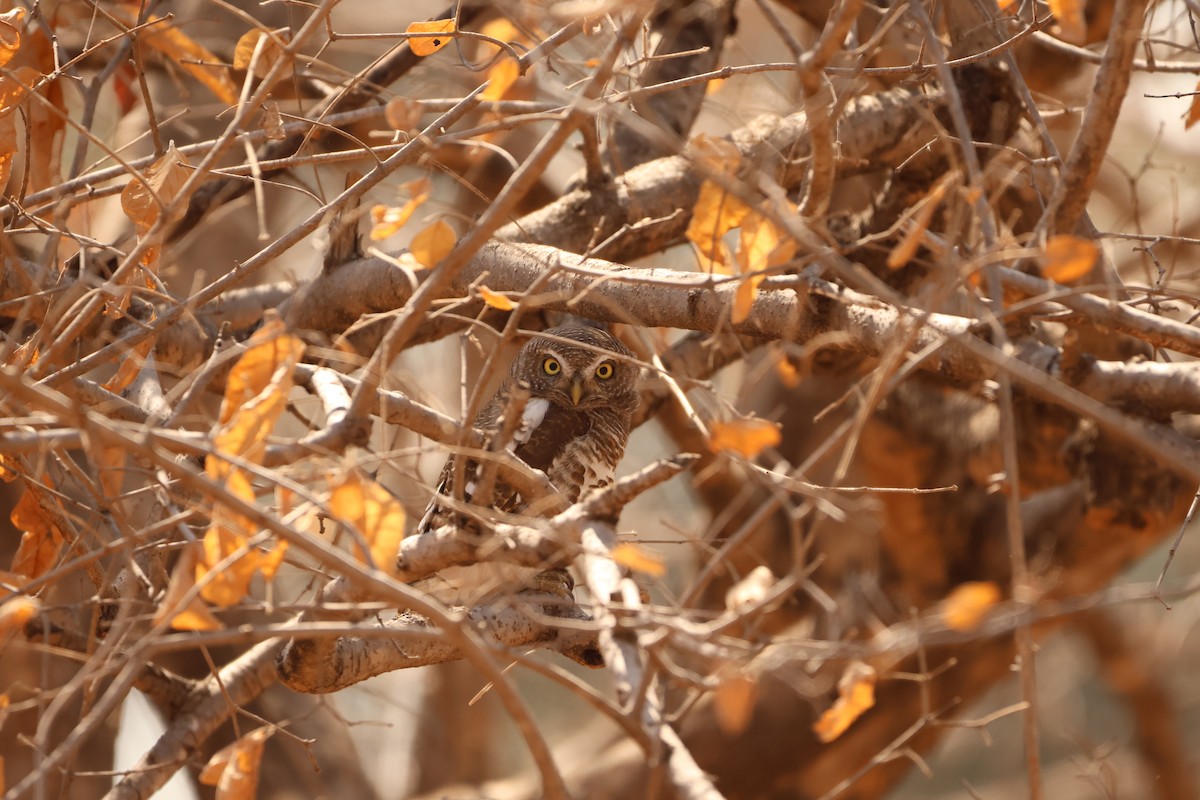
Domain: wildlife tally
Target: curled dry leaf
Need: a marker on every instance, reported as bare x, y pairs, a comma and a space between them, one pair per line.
715, 214
375, 513
423, 45
1068, 258
41, 539
388, 220
966, 606
403, 114
234, 769
748, 436
638, 559
433, 243
272, 122
181, 50
11, 24
267, 46
856, 695
495, 299
145, 198
194, 614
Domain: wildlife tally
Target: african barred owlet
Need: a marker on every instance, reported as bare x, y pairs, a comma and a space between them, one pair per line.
574, 428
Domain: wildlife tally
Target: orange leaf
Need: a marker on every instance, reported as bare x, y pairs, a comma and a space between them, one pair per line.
433, 243
715, 153
918, 221
501, 79
748, 436
269, 565
715, 214
256, 393
763, 245
16, 611
856, 695
144, 198
234, 768
194, 615
41, 540
8, 469
1194, 110
495, 299
1068, 258
733, 703
638, 559
789, 376
1071, 23
966, 606
743, 299
269, 50
426, 45
375, 513
227, 563
189, 55
11, 23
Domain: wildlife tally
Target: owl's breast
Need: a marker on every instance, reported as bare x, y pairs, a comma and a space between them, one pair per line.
547, 440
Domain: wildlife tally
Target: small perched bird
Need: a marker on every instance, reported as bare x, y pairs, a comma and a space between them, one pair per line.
575, 423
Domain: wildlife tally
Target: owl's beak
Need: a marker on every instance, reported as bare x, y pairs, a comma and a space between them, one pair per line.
576, 392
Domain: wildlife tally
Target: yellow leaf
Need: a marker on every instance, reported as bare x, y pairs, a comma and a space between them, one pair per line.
715, 153
11, 23
717, 263
495, 299
638, 559
269, 565
716, 213
433, 243
374, 513
194, 616
856, 695
1194, 110
1071, 22
269, 51
41, 539
743, 299
501, 79
733, 702
1068, 258
762, 244
918, 223
234, 769
966, 606
748, 436
403, 114
224, 581
189, 55
144, 198
388, 220
16, 611
426, 45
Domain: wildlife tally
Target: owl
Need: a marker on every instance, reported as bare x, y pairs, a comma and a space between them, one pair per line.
582, 389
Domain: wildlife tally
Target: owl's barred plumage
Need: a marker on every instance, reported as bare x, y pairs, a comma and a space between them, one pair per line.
574, 425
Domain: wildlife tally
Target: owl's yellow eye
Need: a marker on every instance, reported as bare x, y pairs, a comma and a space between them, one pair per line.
604, 371
551, 366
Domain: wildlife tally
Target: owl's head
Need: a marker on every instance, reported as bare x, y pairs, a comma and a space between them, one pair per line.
578, 367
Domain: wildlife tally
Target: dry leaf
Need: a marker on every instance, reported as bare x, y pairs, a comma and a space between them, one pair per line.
1068, 258
228, 563
789, 376
918, 223
433, 243
269, 51
1193, 115
268, 565
426, 45
16, 611
750, 591
743, 298
375, 513
501, 79
495, 299
1071, 23
733, 702
272, 122
190, 56
856, 695
748, 436
387, 220
715, 214
763, 245
256, 389
234, 768
41, 540
144, 198
11, 23
715, 153
966, 606
403, 114
194, 616
638, 559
